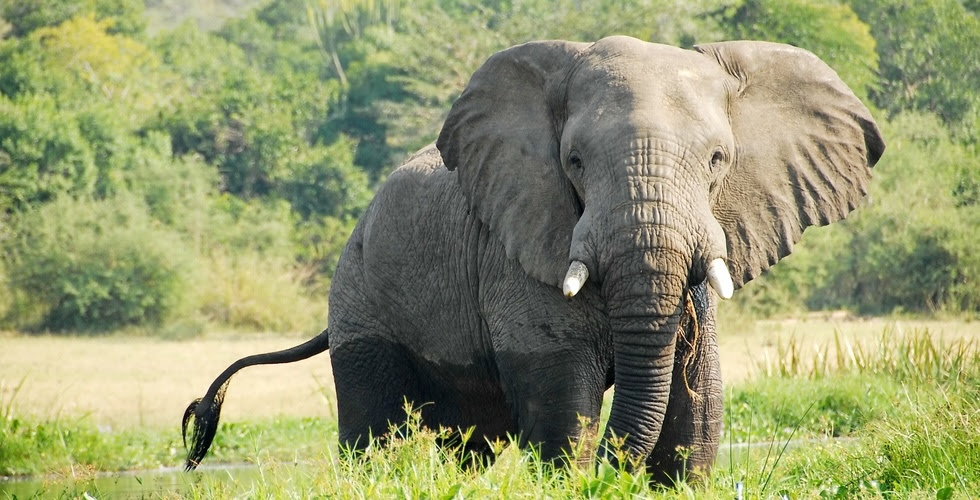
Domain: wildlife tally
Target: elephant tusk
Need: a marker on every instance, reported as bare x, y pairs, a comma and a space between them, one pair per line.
575, 278
720, 278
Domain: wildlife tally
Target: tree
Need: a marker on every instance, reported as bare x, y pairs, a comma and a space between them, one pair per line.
71, 96
928, 58
338, 21
257, 113
125, 17
118, 67
403, 79
828, 29
43, 152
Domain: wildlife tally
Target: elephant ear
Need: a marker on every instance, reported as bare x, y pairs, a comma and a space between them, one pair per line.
805, 145
502, 139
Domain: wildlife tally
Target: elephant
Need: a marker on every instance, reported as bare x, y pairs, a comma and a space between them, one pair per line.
576, 222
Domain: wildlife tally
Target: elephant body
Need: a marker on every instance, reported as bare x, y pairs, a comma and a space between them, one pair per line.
660, 178
490, 347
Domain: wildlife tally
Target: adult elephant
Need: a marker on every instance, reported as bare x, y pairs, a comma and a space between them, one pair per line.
580, 212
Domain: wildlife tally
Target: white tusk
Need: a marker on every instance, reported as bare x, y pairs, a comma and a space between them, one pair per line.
575, 278
720, 279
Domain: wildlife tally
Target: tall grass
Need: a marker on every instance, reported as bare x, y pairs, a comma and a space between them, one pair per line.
930, 452
413, 465
915, 357
924, 444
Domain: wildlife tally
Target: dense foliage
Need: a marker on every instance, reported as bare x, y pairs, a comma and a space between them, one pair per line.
153, 169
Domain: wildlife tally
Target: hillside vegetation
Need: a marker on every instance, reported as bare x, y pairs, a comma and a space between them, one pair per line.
161, 169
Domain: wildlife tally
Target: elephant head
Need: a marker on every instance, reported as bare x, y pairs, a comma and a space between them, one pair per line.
647, 169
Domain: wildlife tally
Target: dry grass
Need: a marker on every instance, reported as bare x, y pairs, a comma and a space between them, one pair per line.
747, 346
137, 381
121, 382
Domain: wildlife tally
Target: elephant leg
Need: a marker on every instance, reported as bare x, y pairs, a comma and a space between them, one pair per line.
469, 408
553, 425
688, 441
556, 404
374, 379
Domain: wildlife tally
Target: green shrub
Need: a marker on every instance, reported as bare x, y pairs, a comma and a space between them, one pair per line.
43, 152
178, 192
257, 292
914, 245
94, 266
798, 282
239, 226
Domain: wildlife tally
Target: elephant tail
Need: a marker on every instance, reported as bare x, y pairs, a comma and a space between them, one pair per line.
205, 411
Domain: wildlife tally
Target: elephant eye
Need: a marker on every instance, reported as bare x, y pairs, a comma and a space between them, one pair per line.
717, 159
574, 160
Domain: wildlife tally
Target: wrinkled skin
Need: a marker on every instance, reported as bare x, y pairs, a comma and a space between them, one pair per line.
644, 162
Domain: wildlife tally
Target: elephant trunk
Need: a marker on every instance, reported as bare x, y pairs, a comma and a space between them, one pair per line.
657, 242
645, 297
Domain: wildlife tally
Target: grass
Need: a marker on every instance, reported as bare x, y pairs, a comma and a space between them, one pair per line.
757, 346
909, 408
932, 451
121, 382
74, 447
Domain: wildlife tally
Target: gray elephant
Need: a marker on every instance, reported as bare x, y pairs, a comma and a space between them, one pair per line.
573, 226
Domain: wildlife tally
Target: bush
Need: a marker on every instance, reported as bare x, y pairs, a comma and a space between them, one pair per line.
258, 292
798, 282
914, 245
43, 152
93, 266
178, 192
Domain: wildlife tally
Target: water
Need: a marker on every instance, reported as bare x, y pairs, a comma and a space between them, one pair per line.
133, 484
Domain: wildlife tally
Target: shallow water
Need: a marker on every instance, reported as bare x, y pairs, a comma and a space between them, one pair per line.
130, 484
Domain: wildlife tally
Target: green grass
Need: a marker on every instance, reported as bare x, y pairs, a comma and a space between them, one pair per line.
910, 408
73, 447
70, 446
931, 450
770, 407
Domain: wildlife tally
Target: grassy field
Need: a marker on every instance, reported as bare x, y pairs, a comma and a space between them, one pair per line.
906, 395
121, 382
